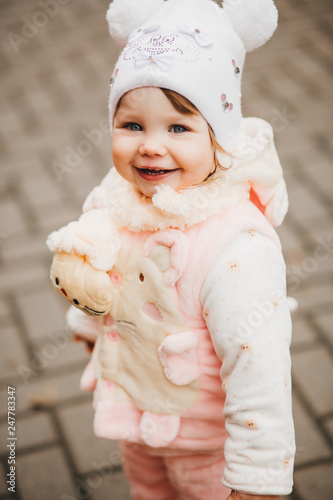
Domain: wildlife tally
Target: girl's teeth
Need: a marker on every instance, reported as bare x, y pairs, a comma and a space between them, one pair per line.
153, 172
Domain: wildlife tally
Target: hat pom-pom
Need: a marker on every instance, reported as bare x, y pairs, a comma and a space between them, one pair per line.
124, 16
254, 20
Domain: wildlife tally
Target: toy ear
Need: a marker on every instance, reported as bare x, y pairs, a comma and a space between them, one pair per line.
254, 20
179, 246
124, 16
161, 256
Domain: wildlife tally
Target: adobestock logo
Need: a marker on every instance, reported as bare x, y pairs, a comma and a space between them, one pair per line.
75, 155
297, 273
40, 358
261, 311
101, 472
279, 121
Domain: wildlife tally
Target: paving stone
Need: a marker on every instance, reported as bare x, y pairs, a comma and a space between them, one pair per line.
113, 487
4, 311
79, 179
56, 215
22, 246
12, 352
321, 233
18, 169
329, 426
39, 191
313, 372
43, 312
325, 322
3, 479
315, 482
12, 220
303, 206
302, 334
82, 189
310, 443
296, 274
309, 298
307, 267
60, 350
317, 167
22, 277
9, 121
44, 475
77, 423
288, 238
35, 390
323, 268
32, 430
320, 258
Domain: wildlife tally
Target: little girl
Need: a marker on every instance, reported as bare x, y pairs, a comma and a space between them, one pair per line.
175, 270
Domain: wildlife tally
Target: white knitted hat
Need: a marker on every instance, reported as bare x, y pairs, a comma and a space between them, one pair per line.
193, 47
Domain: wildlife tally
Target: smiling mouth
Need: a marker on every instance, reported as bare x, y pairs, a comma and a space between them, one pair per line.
154, 171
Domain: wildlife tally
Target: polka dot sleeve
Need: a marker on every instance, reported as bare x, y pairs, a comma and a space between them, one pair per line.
244, 299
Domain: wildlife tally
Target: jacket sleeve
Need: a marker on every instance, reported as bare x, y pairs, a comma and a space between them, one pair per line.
247, 314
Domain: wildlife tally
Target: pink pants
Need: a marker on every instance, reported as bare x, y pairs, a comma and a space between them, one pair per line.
188, 477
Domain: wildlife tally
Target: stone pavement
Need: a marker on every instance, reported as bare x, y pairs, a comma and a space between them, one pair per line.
56, 60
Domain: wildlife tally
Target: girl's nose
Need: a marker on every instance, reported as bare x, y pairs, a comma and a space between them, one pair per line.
151, 146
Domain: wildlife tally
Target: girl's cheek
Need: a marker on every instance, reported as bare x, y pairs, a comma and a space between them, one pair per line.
119, 145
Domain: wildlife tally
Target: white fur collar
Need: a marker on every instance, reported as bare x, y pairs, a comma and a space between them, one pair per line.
168, 208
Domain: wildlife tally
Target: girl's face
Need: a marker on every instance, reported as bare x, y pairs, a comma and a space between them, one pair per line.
153, 143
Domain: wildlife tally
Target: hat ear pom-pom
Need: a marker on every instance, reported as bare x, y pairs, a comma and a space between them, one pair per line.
254, 20
124, 16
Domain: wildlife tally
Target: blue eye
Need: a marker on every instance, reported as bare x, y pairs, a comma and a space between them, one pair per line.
135, 127
177, 129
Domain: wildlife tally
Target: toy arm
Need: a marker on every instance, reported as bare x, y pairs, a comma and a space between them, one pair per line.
88, 378
83, 327
94, 236
179, 358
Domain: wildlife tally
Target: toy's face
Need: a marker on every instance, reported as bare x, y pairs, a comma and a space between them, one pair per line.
86, 288
153, 143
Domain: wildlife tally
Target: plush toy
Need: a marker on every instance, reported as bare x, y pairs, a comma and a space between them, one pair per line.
143, 327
